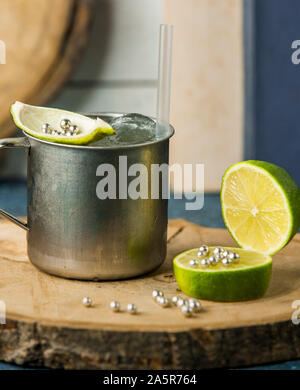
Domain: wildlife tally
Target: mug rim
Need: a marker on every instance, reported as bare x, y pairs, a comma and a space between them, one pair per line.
109, 147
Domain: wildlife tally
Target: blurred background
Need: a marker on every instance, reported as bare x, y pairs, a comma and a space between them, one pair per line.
235, 89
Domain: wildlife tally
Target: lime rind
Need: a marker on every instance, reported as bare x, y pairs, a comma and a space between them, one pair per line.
31, 118
284, 182
230, 284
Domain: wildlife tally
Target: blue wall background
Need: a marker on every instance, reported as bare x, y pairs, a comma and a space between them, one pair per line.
273, 98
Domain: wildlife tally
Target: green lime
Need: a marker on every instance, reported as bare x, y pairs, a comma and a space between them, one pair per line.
31, 119
247, 279
260, 205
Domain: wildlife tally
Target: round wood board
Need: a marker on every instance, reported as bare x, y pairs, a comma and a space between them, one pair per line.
47, 325
44, 40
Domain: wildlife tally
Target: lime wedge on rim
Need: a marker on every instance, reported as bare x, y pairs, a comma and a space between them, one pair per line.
31, 119
248, 279
260, 205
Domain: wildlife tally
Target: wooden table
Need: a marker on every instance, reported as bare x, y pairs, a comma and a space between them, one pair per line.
47, 325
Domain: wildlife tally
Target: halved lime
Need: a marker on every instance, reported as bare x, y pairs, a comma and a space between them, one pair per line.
32, 118
248, 279
260, 205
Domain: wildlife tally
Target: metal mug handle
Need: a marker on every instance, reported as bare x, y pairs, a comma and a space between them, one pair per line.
21, 142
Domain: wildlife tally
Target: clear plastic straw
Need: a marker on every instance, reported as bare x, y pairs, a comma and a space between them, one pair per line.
164, 79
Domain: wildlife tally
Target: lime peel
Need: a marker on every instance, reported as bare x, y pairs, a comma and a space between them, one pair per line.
31, 118
249, 279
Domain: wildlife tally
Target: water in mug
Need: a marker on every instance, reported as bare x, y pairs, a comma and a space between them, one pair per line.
131, 129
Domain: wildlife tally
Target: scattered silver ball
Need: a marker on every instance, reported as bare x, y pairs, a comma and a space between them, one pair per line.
131, 308
226, 261
218, 251
115, 306
68, 134
214, 260
164, 302
87, 301
186, 311
65, 124
45, 127
63, 132
182, 302
175, 299
195, 305
225, 253
234, 257
205, 262
193, 263
157, 293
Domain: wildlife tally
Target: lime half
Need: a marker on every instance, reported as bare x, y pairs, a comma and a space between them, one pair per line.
32, 118
260, 205
248, 279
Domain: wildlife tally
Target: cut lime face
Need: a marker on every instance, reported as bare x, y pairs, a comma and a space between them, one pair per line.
248, 279
32, 118
260, 205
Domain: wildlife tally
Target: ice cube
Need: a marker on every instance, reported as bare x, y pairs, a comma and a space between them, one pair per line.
130, 129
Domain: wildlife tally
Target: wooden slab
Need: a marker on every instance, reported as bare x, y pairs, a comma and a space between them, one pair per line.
47, 324
44, 41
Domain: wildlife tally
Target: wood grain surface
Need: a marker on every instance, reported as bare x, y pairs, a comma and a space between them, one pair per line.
48, 325
44, 41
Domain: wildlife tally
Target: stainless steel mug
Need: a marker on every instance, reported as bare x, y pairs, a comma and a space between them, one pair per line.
70, 231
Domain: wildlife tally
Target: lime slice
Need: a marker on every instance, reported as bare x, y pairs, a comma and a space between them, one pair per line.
260, 205
31, 119
248, 279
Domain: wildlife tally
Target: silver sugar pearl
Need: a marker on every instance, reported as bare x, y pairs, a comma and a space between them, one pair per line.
203, 248
115, 306
45, 127
186, 311
193, 263
205, 262
73, 129
87, 301
65, 124
159, 299
164, 302
226, 261
157, 293
175, 299
63, 132
218, 251
131, 308
214, 260
201, 254
225, 253
182, 302
194, 305
234, 257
